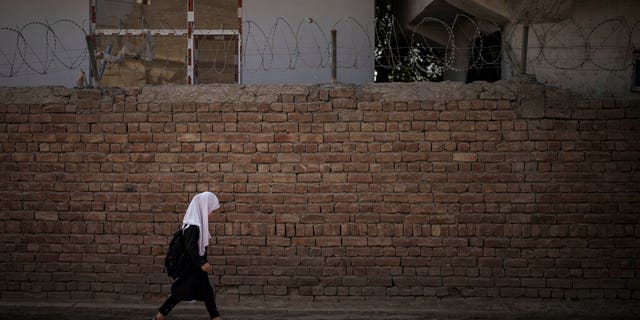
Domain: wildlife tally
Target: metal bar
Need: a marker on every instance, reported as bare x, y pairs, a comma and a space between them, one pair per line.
164, 32
92, 61
93, 14
103, 65
334, 56
190, 43
215, 32
239, 71
525, 48
190, 32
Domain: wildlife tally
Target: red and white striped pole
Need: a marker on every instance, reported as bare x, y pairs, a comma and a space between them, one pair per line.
93, 16
239, 41
190, 43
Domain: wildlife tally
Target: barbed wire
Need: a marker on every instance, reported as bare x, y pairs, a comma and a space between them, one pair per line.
42, 47
608, 45
565, 45
432, 46
305, 43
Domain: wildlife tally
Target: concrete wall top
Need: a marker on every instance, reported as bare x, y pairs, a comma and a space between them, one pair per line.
529, 97
430, 91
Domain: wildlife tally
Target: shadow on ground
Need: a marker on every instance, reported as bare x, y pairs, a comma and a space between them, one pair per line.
71, 311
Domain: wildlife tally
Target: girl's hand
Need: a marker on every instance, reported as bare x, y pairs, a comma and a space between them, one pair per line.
206, 267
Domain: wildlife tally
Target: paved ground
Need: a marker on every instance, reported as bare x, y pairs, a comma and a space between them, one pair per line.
450, 310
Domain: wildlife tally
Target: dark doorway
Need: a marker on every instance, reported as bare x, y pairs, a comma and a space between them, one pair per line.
485, 58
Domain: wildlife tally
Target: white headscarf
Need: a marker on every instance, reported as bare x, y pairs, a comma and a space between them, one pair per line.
198, 215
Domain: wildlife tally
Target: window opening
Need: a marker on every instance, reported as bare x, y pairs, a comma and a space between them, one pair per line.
157, 41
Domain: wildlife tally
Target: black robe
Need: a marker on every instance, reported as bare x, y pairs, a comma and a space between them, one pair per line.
193, 284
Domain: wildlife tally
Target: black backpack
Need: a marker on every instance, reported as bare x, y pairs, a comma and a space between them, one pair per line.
176, 259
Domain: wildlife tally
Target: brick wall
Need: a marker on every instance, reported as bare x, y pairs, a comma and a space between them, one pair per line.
397, 192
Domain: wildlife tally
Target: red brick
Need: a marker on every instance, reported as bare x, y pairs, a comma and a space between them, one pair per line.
361, 137
325, 117
316, 201
452, 115
354, 241
264, 158
328, 241
438, 136
465, 157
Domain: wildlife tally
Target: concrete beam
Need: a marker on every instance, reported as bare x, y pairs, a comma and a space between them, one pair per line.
492, 10
435, 33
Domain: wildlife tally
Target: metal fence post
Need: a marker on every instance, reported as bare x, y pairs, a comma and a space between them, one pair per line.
334, 56
525, 48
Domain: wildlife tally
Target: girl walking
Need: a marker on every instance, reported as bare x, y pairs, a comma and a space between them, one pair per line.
193, 284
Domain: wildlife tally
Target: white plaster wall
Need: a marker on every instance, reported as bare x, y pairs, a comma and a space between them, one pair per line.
42, 56
560, 59
287, 41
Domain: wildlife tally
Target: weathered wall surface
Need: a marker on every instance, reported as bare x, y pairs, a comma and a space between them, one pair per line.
587, 48
43, 42
396, 192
